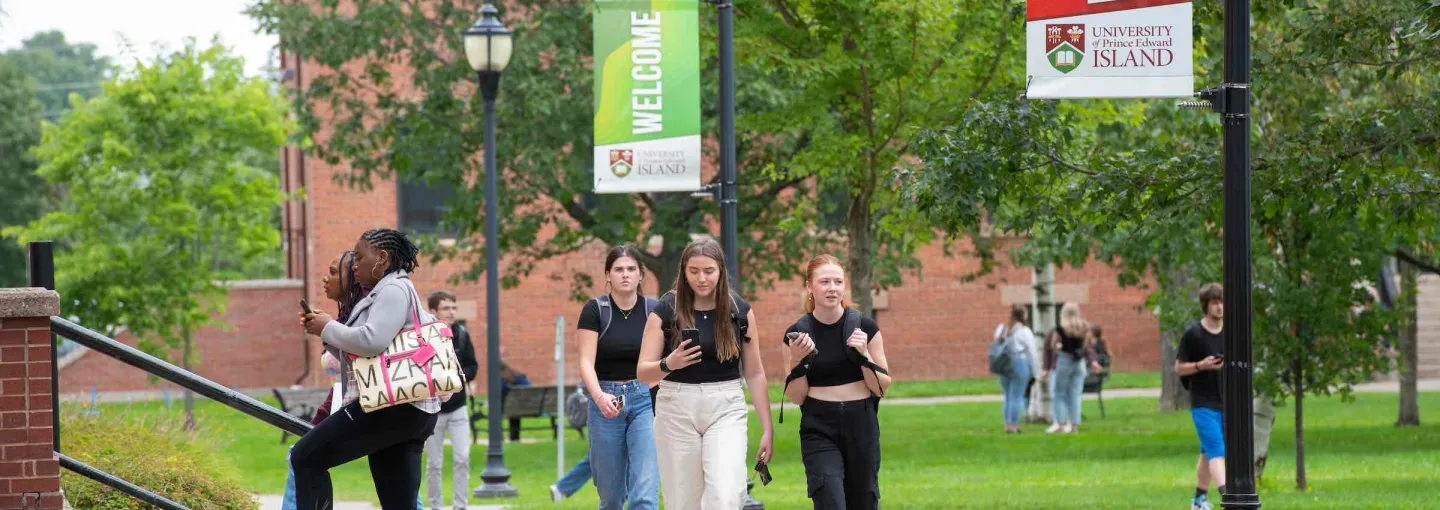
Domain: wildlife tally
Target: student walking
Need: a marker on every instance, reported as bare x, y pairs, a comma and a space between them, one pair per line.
1072, 353
453, 418
621, 419
393, 438
1019, 342
698, 343
838, 374
1198, 361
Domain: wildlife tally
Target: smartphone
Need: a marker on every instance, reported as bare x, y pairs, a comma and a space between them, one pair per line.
304, 305
763, 470
792, 336
619, 402
692, 334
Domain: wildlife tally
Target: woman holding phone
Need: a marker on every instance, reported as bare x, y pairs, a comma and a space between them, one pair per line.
837, 376
698, 344
621, 422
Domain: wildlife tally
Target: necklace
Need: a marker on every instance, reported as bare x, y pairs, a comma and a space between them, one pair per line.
626, 313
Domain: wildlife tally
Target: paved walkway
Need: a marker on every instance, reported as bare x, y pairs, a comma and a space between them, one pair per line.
273, 503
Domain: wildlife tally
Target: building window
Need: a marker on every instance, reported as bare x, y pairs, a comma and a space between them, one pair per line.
422, 206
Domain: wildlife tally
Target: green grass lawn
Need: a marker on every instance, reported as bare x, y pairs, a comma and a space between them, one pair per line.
954, 456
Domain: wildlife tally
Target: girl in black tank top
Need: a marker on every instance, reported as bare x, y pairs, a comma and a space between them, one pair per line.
620, 415
698, 344
839, 440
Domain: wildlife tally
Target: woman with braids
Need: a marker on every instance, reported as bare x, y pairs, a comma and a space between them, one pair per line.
698, 342
394, 437
622, 424
838, 373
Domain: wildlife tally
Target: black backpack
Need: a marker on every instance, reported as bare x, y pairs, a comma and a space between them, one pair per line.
607, 311
850, 322
738, 315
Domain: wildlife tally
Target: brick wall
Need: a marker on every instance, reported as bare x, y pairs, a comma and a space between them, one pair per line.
262, 348
29, 471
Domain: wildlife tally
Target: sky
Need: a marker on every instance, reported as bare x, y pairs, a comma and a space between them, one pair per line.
108, 24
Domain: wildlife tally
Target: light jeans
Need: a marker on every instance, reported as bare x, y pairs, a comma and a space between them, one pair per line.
457, 423
576, 478
622, 450
1066, 386
1014, 387
700, 442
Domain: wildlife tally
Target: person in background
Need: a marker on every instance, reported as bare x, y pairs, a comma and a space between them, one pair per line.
454, 417
1073, 352
1024, 361
1198, 361
573, 481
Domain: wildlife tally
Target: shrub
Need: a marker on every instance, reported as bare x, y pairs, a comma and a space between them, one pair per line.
150, 452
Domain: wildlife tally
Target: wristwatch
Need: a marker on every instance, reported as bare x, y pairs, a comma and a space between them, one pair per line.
664, 367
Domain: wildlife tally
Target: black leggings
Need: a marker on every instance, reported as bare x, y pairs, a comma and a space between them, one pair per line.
840, 446
393, 438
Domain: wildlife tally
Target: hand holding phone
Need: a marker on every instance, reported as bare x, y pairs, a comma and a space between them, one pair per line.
305, 306
688, 352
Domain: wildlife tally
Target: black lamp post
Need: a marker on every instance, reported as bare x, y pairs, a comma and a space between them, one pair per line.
487, 47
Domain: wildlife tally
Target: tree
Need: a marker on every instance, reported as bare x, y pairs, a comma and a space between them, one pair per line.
35, 81
397, 100
1344, 175
24, 191
874, 75
156, 187
60, 69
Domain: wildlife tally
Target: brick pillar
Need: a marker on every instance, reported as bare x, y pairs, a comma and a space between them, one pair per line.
29, 471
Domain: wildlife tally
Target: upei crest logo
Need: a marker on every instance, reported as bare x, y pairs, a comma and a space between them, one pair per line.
622, 161
1065, 46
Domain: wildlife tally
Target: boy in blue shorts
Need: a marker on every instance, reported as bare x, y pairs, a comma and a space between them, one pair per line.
1198, 361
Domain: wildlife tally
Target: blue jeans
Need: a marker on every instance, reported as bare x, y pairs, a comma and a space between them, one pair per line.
576, 478
622, 450
289, 501
1066, 386
1014, 387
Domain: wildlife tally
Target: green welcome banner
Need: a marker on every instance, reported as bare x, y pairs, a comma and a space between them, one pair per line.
647, 95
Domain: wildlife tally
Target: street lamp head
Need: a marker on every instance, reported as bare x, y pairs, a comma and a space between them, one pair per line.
488, 42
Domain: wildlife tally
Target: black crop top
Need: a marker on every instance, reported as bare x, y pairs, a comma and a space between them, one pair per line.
1071, 345
709, 368
619, 351
831, 366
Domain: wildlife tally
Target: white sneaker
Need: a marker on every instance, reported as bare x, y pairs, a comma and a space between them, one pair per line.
1053, 429
1203, 505
1070, 429
557, 497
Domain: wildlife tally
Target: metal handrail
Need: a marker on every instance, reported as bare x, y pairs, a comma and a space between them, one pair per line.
130, 489
152, 365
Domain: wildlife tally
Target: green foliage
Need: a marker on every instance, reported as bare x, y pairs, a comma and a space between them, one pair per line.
60, 69
401, 103
173, 463
1343, 171
867, 78
24, 191
155, 188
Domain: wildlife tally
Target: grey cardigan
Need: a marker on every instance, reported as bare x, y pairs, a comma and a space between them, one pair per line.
373, 324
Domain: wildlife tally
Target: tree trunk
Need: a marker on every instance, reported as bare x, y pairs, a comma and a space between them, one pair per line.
1173, 396
1409, 349
189, 395
861, 254
1299, 387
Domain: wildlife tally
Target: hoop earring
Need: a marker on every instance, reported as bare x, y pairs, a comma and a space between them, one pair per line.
372, 272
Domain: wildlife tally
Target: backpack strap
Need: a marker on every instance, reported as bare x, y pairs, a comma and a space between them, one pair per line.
852, 322
606, 311
807, 326
740, 318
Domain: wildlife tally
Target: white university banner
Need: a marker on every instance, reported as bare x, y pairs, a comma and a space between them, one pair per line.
1109, 49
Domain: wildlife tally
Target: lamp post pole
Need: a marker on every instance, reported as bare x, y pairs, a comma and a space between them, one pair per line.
487, 47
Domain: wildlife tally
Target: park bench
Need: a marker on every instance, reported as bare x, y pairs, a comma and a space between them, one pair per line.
300, 402
524, 402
